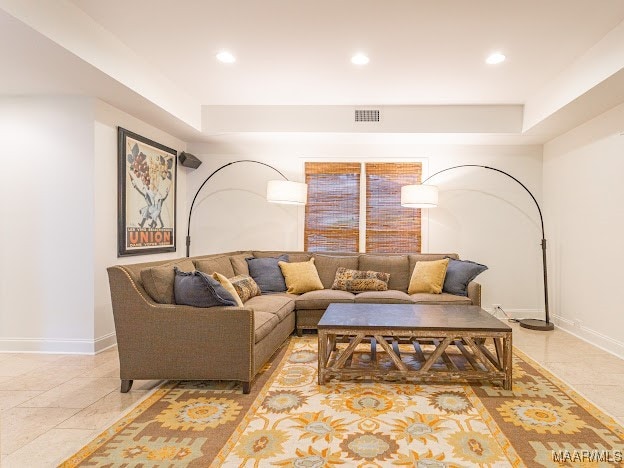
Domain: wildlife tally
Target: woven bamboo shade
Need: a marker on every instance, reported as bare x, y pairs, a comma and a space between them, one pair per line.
332, 220
390, 228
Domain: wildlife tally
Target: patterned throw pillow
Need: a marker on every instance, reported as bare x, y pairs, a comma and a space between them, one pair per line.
245, 286
229, 287
360, 281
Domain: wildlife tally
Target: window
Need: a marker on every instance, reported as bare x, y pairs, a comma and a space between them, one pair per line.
390, 227
334, 219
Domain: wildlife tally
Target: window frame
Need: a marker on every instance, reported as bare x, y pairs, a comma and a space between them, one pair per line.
362, 161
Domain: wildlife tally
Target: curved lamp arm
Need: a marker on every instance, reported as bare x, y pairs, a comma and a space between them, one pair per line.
188, 226
526, 323
539, 210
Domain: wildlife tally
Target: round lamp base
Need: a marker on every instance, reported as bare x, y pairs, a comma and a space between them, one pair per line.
535, 324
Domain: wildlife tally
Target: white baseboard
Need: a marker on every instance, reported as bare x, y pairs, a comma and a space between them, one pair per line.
583, 332
518, 313
593, 337
57, 346
104, 342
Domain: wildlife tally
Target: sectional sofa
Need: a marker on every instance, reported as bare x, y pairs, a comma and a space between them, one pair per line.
158, 339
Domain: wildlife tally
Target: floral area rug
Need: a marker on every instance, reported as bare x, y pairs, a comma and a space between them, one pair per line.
290, 421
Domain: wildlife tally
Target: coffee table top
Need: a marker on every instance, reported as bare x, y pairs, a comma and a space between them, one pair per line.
410, 316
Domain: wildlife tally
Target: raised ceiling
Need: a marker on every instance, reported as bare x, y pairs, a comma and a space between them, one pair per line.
156, 60
298, 52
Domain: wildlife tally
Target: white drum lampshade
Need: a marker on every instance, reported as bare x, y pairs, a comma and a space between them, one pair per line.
419, 196
287, 192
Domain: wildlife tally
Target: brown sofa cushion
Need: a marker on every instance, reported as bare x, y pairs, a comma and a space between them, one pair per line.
359, 281
384, 297
321, 299
158, 281
273, 304
396, 265
239, 264
444, 298
264, 323
219, 264
326, 265
292, 256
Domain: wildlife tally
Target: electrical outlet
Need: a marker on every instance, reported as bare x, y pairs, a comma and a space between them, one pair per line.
496, 306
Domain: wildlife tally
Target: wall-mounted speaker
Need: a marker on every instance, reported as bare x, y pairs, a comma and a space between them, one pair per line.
188, 160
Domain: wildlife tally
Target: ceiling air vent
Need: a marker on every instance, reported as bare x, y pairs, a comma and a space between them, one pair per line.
367, 115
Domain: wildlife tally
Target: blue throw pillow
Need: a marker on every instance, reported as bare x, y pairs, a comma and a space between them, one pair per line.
458, 274
267, 273
198, 289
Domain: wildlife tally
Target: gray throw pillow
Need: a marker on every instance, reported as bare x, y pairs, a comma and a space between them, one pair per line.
197, 289
267, 273
458, 274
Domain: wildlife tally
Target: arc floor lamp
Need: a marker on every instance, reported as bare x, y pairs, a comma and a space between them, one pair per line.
278, 191
426, 196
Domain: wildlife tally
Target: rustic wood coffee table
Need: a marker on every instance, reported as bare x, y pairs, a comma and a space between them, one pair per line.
428, 329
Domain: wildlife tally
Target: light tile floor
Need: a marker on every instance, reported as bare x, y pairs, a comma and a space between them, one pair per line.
52, 405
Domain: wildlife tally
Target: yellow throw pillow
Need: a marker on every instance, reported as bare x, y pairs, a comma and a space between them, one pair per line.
428, 277
228, 287
301, 277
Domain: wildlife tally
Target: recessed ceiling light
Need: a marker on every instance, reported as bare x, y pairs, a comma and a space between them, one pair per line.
226, 57
359, 59
495, 58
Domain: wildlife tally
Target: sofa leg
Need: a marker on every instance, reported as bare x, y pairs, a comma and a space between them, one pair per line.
299, 332
246, 388
126, 385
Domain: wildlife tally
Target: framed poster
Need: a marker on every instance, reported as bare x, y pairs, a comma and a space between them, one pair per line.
146, 197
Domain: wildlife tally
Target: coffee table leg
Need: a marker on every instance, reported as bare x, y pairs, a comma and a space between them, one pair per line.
498, 345
322, 356
507, 361
332, 343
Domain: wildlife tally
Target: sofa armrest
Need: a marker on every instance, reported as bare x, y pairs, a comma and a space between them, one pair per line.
164, 341
474, 293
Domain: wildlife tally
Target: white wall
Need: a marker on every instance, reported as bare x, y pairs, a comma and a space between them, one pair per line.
46, 233
482, 215
58, 195
583, 195
107, 119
